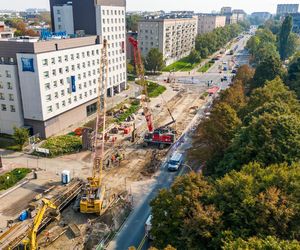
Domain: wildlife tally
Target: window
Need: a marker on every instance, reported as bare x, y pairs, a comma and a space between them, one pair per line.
45, 62
63, 103
79, 76
2, 96
57, 105
55, 83
83, 55
48, 98
80, 96
72, 56
46, 74
66, 58
52, 60
78, 66
56, 95
88, 53
69, 101
91, 109
59, 59
73, 67
77, 55
1, 85
9, 85
47, 86
60, 70
49, 109
75, 98
7, 73
53, 72
62, 92
80, 86
12, 108
3, 107
67, 69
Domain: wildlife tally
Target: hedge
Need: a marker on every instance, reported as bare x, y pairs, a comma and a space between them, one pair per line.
10, 179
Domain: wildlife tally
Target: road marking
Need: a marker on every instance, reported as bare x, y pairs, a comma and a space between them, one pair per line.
142, 243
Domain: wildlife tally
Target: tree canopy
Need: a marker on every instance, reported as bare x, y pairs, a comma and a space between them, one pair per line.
284, 37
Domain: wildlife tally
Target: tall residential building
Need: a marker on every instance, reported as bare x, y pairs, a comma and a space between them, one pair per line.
174, 37
63, 18
261, 16
105, 18
296, 22
283, 9
226, 10
209, 22
48, 85
240, 15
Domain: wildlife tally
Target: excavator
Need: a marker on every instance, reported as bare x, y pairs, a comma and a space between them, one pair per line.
93, 199
163, 135
36, 224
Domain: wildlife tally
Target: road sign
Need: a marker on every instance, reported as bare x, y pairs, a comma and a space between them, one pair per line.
42, 150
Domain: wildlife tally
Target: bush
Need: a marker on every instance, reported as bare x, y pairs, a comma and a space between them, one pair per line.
64, 144
10, 179
133, 109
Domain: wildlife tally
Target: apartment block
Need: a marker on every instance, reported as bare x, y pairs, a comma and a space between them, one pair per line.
174, 37
209, 22
48, 85
283, 9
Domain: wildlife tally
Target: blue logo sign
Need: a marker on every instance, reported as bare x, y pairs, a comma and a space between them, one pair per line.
46, 34
73, 83
27, 64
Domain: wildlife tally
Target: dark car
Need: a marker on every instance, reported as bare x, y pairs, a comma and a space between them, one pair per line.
233, 71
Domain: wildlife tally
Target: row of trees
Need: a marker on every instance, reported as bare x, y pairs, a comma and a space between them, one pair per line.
247, 197
273, 40
211, 42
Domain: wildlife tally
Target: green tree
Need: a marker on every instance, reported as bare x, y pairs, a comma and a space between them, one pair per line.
194, 57
293, 44
20, 136
154, 60
269, 242
284, 35
181, 219
130, 68
267, 139
293, 78
132, 22
268, 69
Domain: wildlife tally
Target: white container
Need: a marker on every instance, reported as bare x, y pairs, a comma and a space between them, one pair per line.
65, 177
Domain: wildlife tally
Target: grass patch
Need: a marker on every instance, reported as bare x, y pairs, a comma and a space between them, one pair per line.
205, 67
181, 65
203, 96
154, 89
11, 178
133, 109
64, 144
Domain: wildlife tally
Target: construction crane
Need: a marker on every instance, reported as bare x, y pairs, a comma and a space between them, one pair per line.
36, 224
93, 198
163, 135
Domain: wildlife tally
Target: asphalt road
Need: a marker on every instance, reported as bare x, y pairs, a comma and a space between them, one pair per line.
132, 233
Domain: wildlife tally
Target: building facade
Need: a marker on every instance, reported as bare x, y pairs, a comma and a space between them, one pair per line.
104, 18
174, 38
209, 22
48, 85
63, 18
296, 22
260, 17
5, 32
283, 9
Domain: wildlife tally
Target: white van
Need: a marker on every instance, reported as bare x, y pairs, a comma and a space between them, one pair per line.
148, 226
175, 161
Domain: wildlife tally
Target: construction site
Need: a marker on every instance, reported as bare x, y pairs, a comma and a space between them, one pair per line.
84, 207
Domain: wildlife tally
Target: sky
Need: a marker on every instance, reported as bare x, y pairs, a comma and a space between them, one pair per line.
196, 5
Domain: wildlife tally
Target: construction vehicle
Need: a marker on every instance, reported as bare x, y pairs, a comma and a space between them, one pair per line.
93, 197
36, 224
163, 135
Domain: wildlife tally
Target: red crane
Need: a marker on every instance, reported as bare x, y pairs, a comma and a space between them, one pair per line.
162, 135
141, 75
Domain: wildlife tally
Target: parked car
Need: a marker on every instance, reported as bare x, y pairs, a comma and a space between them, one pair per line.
234, 71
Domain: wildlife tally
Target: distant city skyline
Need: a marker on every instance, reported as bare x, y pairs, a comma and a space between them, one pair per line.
167, 5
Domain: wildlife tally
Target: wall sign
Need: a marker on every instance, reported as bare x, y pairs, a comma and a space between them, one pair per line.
73, 83
27, 64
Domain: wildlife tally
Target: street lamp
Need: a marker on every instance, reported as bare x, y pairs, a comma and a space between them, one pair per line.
188, 166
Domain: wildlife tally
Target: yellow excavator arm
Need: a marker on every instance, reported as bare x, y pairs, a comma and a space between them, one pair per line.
37, 222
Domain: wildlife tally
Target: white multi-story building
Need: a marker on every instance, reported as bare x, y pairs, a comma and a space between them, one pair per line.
48, 85
11, 114
209, 22
105, 18
174, 37
63, 18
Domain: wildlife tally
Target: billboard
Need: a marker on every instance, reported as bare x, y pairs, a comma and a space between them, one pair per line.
27, 64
